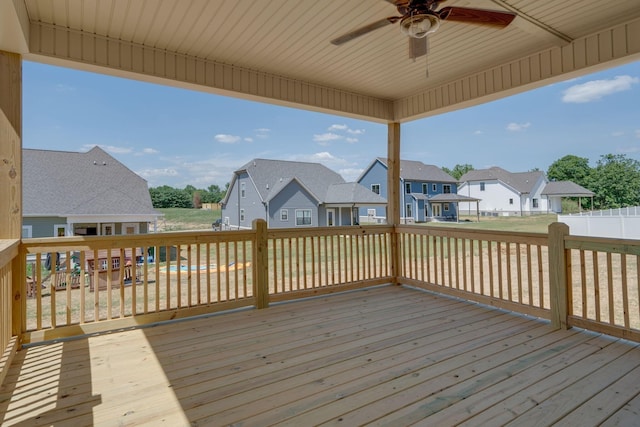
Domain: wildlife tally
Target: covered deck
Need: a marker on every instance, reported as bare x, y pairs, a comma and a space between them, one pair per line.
386, 355
380, 353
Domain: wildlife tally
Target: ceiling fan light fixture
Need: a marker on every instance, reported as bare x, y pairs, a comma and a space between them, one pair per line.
419, 25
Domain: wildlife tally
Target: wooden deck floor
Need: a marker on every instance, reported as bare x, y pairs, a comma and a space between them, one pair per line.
384, 356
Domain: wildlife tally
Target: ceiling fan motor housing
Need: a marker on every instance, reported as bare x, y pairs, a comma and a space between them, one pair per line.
419, 25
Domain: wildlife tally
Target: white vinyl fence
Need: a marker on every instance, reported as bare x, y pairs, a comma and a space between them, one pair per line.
623, 223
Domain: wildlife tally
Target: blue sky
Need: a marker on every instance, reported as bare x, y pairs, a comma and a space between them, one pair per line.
178, 137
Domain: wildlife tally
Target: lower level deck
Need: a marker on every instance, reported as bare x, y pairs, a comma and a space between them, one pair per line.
388, 355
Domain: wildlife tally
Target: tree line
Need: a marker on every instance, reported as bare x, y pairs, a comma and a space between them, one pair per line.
615, 179
189, 197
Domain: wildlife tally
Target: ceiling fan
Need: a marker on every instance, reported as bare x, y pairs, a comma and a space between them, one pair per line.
420, 18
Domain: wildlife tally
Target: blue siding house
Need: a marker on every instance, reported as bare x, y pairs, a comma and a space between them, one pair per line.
293, 194
419, 183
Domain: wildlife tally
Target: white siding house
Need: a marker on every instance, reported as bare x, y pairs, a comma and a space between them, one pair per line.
503, 193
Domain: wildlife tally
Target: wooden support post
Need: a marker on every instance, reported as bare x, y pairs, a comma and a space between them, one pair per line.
261, 264
393, 196
11, 176
558, 287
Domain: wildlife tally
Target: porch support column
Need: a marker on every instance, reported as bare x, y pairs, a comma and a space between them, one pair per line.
11, 175
10, 145
393, 195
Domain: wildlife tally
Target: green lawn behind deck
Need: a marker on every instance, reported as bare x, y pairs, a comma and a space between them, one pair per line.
527, 224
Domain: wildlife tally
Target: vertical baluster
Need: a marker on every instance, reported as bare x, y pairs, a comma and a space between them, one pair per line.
465, 271
519, 271
509, 277
529, 274
596, 283
82, 287
226, 276
449, 269
96, 286
218, 273
472, 266
244, 269
490, 261
236, 281
38, 284
610, 289
541, 278
625, 290
499, 253
481, 265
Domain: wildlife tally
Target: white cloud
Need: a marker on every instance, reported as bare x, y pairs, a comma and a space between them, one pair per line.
596, 89
262, 132
355, 131
248, 139
153, 173
352, 140
324, 138
517, 127
617, 133
149, 151
478, 132
226, 139
337, 127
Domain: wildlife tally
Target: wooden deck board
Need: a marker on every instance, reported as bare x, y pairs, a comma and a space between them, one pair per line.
381, 356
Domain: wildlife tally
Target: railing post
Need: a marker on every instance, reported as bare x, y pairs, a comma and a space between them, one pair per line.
558, 287
261, 264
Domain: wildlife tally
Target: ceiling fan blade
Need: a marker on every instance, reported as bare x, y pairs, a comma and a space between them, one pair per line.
417, 47
364, 30
476, 16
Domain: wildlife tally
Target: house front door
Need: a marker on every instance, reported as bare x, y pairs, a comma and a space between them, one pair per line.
331, 214
437, 209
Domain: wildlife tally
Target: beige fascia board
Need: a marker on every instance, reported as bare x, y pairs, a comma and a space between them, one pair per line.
89, 52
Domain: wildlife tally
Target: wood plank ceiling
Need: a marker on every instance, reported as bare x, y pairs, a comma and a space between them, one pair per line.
279, 50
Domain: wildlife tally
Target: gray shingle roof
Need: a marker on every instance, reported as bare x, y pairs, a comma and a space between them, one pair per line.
65, 183
270, 175
352, 193
327, 186
566, 189
452, 197
413, 170
522, 182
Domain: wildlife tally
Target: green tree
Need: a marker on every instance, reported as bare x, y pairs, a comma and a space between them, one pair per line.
169, 197
458, 170
571, 168
616, 182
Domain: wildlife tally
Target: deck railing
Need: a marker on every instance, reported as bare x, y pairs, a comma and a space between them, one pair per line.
605, 291
321, 260
507, 270
102, 283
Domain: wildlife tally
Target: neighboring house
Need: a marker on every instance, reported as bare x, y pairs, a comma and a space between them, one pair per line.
419, 184
68, 193
293, 194
503, 193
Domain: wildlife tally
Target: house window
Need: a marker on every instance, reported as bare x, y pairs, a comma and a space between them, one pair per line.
409, 211
27, 231
510, 201
60, 230
434, 187
375, 188
108, 229
482, 186
446, 188
241, 215
243, 190
407, 187
446, 207
425, 188
535, 203
303, 216
130, 228
284, 215
371, 212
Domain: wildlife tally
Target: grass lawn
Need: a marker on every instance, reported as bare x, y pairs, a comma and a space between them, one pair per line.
177, 219
525, 224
